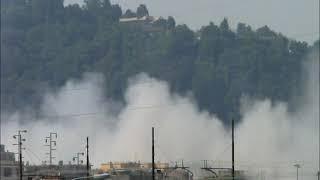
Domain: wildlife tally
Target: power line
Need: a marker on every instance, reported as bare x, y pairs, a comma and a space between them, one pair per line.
133, 108
30, 158
37, 157
221, 153
62, 90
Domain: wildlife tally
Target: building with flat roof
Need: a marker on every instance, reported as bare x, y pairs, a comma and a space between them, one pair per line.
145, 23
145, 19
106, 167
158, 165
9, 165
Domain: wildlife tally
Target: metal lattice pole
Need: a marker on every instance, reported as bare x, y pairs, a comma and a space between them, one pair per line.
19, 144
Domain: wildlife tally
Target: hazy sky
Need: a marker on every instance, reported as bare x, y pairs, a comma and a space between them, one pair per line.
298, 19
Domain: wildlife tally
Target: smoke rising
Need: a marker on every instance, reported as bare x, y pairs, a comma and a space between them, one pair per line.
269, 139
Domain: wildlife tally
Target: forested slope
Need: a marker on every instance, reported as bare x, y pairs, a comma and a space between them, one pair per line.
43, 44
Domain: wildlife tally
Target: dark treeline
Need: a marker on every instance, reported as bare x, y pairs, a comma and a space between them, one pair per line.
44, 43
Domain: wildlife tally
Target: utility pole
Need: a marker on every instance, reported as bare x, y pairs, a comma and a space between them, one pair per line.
78, 157
232, 149
19, 144
51, 144
319, 141
88, 163
297, 166
153, 166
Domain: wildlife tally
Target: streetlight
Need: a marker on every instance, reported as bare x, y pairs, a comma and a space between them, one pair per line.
297, 166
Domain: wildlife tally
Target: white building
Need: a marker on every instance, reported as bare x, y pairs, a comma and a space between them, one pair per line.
9, 166
145, 19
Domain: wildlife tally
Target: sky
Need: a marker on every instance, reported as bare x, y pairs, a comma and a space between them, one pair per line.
298, 19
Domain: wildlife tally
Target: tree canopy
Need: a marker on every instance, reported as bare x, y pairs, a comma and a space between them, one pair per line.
44, 44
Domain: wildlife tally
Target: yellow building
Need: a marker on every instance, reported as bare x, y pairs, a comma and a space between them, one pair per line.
131, 165
158, 165
119, 165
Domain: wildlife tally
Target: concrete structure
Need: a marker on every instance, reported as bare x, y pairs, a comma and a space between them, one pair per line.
60, 171
143, 171
176, 174
9, 166
227, 175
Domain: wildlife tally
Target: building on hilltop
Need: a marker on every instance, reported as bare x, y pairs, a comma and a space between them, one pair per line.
144, 19
146, 23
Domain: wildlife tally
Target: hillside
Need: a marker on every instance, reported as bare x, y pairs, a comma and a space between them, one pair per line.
43, 44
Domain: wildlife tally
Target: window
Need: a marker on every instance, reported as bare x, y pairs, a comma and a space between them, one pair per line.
7, 172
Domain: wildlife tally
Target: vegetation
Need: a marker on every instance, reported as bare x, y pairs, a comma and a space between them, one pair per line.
44, 44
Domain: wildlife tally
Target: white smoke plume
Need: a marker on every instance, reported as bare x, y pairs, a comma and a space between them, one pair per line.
269, 139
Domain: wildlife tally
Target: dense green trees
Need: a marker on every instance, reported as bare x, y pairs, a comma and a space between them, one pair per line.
44, 44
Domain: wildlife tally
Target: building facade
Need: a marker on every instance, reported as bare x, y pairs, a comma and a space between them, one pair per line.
9, 165
58, 172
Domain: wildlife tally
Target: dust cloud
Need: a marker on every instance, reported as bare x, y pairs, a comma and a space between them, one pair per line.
269, 139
